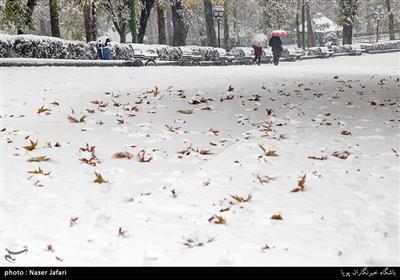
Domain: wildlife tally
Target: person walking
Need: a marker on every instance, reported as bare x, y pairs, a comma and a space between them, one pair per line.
257, 54
276, 44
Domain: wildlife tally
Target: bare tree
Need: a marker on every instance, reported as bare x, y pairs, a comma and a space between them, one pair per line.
162, 38
226, 26
391, 20
180, 27
210, 29
147, 5
54, 18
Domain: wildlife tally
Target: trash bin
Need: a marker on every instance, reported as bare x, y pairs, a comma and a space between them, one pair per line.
103, 51
106, 54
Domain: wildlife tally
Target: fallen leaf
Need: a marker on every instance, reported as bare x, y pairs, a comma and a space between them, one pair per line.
99, 179
38, 159
121, 155
187, 112
277, 217
341, 154
43, 110
32, 146
73, 221
122, 232
345, 132
142, 157
217, 220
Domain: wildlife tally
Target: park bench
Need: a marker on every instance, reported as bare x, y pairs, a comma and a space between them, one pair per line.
224, 57
144, 53
292, 54
244, 54
267, 55
189, 57
327, 52
356, 50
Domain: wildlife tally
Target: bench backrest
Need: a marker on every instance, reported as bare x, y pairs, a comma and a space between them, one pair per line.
221, 51
186, 50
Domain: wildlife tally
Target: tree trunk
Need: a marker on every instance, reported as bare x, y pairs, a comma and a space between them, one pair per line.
236, 31
210, 29
147, 5
54, 20
31, 4
179, 26
121, 29
162, 38
170, 31
310, 32
133, 26
226, 26
298, 34
391, 20
347, 34
87, 17
93, 21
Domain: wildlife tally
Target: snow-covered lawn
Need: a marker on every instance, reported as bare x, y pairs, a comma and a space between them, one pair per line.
222, 148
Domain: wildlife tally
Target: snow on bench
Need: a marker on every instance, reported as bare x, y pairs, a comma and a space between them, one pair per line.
189, 57
143, 52
224, 57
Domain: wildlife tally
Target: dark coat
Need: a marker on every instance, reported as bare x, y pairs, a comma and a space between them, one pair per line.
257, 51
276, 44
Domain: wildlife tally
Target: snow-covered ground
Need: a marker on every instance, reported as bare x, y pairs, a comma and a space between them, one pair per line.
255, 142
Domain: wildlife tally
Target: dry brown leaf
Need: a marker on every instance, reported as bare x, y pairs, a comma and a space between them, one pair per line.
174, 195
300, 184
217, 220
73, 221
73, 119
122, 232
38, 159
341, 154
265, 179
318, 158
32, 146
88, 148
155, 91
142, 157
241, 199
39, 171
268, 153
121, 155
38, 184
50, 248
277, 217
43, 110
186, 112
214, 131
99, 179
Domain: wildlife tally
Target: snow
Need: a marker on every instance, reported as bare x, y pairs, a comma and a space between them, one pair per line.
348, 213
322, 24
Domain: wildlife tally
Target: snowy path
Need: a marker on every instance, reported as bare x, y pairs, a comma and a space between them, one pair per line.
348, 213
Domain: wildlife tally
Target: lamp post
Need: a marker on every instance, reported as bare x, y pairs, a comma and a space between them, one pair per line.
218, 13
378, 17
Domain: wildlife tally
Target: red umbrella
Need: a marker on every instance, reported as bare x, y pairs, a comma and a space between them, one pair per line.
279, 33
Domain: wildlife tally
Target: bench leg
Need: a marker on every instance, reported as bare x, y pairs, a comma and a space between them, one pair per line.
151, 61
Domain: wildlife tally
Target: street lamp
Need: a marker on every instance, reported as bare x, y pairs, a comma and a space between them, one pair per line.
378, 17
218, 13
